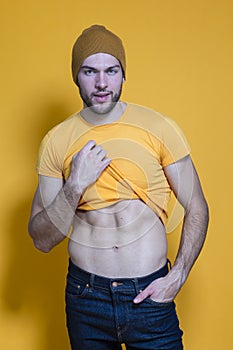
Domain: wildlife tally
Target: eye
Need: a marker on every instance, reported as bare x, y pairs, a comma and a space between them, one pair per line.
112, 71
89, 72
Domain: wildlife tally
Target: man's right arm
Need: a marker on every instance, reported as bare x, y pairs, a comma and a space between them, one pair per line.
55, 203
53, 209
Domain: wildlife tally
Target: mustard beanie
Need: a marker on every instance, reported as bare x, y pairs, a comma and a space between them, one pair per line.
93, 40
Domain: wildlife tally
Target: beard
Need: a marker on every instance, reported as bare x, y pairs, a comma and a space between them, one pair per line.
101, 108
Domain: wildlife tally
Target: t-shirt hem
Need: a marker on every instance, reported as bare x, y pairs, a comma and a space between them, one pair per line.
44, 173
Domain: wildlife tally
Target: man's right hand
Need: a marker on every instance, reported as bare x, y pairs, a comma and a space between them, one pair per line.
87, 166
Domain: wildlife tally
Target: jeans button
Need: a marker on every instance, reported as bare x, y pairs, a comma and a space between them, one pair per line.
114, 284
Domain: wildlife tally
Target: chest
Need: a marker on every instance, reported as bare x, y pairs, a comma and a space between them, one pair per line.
133, 151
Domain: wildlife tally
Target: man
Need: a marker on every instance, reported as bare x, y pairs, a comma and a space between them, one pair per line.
105, 177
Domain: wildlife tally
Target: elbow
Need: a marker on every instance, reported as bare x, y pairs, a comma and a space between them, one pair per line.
39, 244
203, 220
198, 212
205, 212
42, 247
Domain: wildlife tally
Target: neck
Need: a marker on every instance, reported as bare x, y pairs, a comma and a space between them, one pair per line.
106, 118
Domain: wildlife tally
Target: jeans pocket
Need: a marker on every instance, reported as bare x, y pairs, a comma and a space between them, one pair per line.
76, 289
159, 304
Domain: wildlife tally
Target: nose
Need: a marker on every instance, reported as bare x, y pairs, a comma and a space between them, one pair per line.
101, 81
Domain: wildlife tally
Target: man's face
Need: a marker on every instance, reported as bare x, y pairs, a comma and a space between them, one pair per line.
100, 81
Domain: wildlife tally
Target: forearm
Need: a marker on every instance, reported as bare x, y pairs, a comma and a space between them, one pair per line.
192, 239
185, 183
193, 236
50, 226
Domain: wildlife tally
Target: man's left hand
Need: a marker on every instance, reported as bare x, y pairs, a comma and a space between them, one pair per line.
162, 290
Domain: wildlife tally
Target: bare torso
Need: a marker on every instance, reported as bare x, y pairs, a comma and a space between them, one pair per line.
126, 239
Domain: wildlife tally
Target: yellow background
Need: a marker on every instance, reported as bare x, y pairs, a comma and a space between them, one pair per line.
179, 62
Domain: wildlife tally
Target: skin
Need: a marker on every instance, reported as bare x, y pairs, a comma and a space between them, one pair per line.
100, 84
103, 241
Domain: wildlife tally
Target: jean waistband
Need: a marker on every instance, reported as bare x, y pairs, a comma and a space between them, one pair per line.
104, 282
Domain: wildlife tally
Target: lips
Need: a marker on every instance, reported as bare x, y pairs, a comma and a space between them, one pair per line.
101, 97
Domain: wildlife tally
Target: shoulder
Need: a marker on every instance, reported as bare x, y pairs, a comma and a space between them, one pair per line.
151, 120
141, 113
59, 137
54, 146
64, 133
64, 127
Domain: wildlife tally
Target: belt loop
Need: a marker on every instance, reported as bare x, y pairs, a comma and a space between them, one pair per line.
136, 286
92, 279
169, 264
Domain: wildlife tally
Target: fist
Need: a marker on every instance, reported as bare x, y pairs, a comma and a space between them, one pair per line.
87, 165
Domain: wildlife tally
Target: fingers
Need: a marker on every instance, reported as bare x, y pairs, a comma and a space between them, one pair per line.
159, 290
99, 152
101, 155
89, 145
141, 296
93, 149
88, 164
86, 149
105, 162
96, 150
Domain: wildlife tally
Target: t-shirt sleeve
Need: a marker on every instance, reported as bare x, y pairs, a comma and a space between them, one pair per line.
48, 161
174, 145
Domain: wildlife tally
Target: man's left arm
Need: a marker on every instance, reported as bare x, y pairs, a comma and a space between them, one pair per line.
184, 182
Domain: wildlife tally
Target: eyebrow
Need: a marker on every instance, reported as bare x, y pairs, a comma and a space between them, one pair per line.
89, 67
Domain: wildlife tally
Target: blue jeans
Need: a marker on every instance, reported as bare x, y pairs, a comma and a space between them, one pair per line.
101, 314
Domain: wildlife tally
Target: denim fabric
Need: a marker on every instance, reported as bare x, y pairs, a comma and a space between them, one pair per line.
101, 314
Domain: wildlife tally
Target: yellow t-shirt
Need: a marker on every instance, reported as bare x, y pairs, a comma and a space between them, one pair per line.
140, 143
